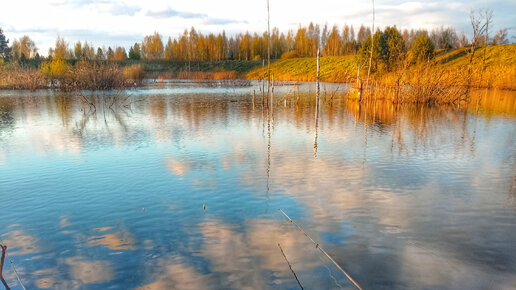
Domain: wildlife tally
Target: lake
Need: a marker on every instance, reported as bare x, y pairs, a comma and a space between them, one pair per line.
180, 186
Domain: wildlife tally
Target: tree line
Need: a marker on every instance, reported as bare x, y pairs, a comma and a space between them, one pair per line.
192, 45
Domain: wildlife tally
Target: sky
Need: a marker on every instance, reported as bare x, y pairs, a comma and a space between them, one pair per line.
124, 22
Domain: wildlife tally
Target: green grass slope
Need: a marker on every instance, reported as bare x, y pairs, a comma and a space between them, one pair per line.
154, 68
333, 69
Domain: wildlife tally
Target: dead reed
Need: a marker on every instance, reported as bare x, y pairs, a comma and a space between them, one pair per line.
16, 77
133, 73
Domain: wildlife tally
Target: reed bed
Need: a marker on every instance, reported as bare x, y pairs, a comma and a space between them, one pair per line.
58, 74
134, 73
16, 77
92, 76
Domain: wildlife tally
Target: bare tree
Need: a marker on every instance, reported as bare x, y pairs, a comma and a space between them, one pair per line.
488, 19
463, 40
371, 55
500, 37
479, 27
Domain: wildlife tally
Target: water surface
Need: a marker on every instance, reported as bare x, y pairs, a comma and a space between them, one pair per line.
178, 186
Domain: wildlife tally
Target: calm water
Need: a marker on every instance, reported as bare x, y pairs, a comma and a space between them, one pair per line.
112, 198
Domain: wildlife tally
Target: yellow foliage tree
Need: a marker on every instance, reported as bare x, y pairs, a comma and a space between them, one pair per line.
55, 69
152, 47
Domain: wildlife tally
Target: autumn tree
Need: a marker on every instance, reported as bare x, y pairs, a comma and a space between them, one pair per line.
61, 48
119, 54
348, 40
290, 40
313, 34
333, 44
192, 44
169, 50
152, 47
23, 48
364, 33
301, 43
257, 47
78, 50
245, 47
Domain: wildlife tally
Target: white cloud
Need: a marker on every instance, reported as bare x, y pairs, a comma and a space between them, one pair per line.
106, 22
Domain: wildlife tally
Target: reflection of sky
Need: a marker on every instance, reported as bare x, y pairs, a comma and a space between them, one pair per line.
116, 197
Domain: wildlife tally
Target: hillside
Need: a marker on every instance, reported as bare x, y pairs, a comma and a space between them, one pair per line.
333, 69
500, 70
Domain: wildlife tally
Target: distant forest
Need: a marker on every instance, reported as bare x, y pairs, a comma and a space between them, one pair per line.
193, 45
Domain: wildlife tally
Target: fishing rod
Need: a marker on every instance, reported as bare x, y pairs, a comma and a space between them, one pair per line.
317, 246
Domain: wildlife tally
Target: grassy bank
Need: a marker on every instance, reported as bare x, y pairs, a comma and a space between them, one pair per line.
499, 70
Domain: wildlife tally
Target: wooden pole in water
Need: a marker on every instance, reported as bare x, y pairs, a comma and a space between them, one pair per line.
318, 74
268, 48
371, 55
317, 99
272, 89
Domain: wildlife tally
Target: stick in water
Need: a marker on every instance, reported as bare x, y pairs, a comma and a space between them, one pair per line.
4, 248
295, 276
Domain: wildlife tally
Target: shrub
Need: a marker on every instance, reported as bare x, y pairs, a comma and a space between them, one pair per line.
289, 54
95, 76
57, 68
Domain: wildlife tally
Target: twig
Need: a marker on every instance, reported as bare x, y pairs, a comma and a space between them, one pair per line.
290, 266
317, 246
4, 248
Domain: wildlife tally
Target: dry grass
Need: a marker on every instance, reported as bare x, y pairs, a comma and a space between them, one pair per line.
92, 76
133, 73
15, 77
447, 69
